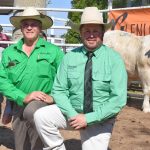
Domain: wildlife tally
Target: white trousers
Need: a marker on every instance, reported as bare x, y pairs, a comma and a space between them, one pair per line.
49, 120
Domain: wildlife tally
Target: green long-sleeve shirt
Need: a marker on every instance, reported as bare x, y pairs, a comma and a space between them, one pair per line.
21, 75
109, 80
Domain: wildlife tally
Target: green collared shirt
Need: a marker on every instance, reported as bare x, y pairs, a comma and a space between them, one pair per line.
21, 75
109, 79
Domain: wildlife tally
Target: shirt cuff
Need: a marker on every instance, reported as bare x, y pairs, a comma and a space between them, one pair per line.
20, 99
91, 118
71, 114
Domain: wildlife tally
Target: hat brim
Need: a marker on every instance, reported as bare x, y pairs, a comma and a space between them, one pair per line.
76, 27
46, 21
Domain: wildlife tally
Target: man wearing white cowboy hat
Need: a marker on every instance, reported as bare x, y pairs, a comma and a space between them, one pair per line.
27, 73
90, 89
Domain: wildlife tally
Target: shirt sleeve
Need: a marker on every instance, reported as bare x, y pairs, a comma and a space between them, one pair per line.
59, 56
118, 94
7, 88
60, 91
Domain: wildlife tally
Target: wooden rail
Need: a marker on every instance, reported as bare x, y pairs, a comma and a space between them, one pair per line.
135, 90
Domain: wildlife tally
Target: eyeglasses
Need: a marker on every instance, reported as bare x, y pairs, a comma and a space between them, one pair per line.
32, 25
88, 34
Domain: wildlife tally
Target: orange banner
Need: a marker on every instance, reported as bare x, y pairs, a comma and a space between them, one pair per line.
135, 21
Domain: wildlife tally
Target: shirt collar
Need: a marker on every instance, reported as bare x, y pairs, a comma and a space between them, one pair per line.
40, 42
96, 51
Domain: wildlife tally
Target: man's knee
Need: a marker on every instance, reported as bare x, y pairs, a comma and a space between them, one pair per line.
50, 116
41, 118
31, 108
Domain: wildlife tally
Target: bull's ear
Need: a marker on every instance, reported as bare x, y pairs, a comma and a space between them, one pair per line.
147, 54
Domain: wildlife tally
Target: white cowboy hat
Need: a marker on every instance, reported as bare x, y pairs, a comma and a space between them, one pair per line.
31, 13
90, 15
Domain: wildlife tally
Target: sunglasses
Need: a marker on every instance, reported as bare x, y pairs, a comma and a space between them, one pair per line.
32, 25
94, 34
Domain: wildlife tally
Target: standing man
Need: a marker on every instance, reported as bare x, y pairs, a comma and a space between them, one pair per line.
27, 72
90, 89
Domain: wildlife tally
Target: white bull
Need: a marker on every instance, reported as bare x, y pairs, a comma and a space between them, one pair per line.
135, 51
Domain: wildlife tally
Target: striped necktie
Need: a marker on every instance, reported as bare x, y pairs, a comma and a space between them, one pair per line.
88, 91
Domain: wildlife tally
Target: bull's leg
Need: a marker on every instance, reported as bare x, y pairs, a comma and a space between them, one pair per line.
146, 104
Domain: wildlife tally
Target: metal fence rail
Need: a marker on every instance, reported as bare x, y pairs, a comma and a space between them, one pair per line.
58, 44
135, 90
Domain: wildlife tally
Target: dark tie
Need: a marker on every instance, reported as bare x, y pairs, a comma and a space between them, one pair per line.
88, 92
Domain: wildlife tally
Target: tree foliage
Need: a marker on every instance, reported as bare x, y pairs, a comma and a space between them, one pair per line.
71, 36
119, 3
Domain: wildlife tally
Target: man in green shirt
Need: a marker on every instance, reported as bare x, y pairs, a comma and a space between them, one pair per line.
90, 89
27, 72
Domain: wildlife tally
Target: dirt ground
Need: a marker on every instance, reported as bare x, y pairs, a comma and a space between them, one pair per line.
131, 131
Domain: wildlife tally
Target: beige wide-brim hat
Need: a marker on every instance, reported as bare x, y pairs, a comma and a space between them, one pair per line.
31, 13
90, 15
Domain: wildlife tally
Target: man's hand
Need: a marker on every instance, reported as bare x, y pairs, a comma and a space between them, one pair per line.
36, 95
49, 99
78, 121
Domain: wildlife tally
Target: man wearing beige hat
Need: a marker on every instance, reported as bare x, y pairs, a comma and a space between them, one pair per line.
89, 90
27, 72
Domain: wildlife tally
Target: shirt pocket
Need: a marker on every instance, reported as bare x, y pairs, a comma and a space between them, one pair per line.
44, 64
73, 76
14, 68
101, 81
